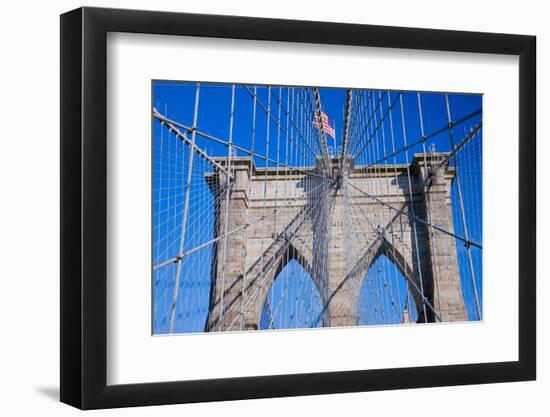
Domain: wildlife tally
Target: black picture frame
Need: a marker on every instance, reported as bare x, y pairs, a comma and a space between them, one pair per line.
84, 207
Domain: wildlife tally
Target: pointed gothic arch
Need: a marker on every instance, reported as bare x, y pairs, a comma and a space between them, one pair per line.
290, 254
401, 280
300, 288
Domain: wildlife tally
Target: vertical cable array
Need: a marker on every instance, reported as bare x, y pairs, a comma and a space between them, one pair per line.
458, 160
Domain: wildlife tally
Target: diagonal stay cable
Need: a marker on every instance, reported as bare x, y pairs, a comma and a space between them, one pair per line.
210, 242
461, 145
234, 146
288, 233
468, 242
424, 138
172, 127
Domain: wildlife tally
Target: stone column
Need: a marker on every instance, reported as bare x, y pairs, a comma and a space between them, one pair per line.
343, 291
228, 268
342, 294
446, 292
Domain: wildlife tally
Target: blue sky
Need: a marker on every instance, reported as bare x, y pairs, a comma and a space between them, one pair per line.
176, 101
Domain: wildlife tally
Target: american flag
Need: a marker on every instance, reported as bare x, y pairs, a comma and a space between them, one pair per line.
329, 130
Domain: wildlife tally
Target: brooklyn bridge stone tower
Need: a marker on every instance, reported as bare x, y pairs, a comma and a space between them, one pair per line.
281, 214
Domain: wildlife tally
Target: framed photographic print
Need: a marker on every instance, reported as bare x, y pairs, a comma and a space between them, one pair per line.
257, 208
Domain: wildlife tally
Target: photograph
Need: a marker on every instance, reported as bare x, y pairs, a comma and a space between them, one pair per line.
294, 207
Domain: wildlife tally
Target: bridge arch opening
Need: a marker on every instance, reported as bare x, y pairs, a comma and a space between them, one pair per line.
386, 296
293, 300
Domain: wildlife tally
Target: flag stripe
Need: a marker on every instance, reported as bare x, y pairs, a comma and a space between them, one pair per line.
326, 124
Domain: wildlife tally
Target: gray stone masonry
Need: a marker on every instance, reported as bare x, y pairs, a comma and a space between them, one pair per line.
335, 239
